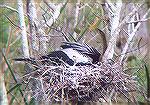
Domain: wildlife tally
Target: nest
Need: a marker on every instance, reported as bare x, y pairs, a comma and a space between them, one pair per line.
97, 82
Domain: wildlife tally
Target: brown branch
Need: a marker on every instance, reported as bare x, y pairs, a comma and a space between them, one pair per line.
12, 22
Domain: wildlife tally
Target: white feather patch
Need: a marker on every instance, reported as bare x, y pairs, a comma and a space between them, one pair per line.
76, 56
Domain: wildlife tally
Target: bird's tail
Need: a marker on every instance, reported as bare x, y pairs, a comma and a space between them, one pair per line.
22, 59
27, 60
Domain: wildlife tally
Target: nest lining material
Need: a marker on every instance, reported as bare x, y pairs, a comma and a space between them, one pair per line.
82, 83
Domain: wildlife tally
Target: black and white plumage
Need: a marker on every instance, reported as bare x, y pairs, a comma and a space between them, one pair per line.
84, 50
71, 54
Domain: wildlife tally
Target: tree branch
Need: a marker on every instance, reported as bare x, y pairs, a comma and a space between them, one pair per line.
131, 36
24, 39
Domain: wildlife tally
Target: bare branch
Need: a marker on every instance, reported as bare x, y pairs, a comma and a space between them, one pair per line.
12, 21
11, 8
8, 7
136, 21
114, 18
55, 14
131, 36
24, 39
62, 32
32, 16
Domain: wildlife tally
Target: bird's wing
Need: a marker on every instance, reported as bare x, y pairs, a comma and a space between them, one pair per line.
84, 49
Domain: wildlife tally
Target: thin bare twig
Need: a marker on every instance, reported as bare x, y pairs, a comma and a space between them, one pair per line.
11, 8
12, 22
62, 32
8, 7
131, 36
142, 20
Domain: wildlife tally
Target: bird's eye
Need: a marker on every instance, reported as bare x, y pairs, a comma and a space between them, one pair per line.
74, 57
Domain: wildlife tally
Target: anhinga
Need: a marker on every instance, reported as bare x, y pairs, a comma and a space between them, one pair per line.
71, 54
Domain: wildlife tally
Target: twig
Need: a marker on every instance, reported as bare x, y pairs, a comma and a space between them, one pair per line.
55, 15
132, 50
8, 7
12, 22
142, 20
11, 8
131, 36
62, 32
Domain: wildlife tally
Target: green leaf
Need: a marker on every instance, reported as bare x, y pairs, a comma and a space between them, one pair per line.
14, 96
12, 73
9, 67
77, 30
32, 102
148, 80
63, 6
14, 87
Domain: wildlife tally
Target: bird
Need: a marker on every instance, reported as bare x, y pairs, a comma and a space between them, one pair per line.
72, 53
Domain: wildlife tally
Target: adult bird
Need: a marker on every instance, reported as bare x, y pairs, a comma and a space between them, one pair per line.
70, 54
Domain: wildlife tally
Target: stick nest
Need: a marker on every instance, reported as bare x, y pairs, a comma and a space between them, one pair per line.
98, 82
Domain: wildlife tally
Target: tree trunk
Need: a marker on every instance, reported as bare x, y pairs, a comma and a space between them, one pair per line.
24, 39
